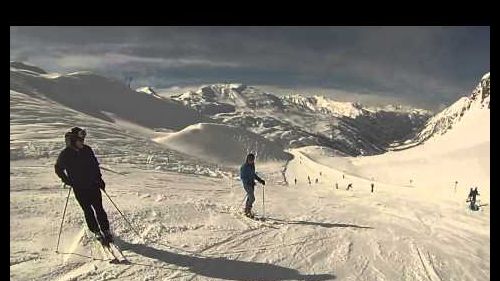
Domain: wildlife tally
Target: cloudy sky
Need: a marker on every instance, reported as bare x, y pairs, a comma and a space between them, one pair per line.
427, 67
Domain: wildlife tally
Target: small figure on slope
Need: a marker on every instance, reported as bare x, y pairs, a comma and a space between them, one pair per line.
472, 199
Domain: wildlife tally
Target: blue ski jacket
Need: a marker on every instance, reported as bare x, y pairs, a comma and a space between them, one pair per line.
248, 176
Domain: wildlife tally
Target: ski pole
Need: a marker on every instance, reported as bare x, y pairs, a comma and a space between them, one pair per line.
62, 221
263, 205
125, 218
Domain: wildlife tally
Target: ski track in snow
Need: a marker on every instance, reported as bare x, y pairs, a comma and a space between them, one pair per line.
312, 238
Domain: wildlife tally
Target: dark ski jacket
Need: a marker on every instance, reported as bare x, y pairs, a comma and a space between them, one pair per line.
473, 193
248, 176
81, 167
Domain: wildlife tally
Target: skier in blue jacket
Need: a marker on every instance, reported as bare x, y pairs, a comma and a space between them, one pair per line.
248, 177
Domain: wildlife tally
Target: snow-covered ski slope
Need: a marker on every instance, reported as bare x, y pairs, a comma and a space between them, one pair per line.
186, 209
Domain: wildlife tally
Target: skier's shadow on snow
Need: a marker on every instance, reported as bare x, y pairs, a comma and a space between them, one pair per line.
222, 268
322, 224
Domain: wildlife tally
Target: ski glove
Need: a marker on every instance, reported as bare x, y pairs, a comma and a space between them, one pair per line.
101, 184
263, 182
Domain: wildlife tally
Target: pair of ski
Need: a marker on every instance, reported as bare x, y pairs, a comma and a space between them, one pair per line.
112, 252
257, 219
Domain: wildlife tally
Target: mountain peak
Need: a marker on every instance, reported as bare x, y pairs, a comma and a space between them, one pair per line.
239, 87
227, 97
323, 104
486, 76
483, 90
449, 117
149, 91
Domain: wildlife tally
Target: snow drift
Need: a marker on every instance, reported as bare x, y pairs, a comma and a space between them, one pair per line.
223, 143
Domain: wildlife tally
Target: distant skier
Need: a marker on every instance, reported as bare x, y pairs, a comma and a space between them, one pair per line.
336, 185
472, 199
309, 179
77, 167
343, 177
295, 181
316, 180
349, 186
248, 177
372, 186
320, 173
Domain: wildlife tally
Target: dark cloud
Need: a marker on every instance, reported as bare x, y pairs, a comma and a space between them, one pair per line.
424, 65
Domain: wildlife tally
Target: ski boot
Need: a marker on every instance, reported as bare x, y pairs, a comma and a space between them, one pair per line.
99, 237
248, 213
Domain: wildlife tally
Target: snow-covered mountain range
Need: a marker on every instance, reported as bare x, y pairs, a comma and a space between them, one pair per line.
115, 112
289, 121
297, 120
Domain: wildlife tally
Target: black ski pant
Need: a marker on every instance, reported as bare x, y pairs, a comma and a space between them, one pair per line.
473, 205
90, 200
250, 196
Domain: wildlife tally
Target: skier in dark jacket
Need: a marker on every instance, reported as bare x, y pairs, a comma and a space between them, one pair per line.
472, 198
77, 167
248, 177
